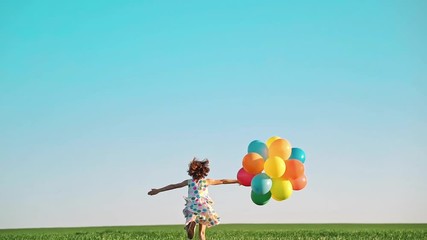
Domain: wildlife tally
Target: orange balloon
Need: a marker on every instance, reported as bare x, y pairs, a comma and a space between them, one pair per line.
280, 148
253, 163
299, 183
294, 169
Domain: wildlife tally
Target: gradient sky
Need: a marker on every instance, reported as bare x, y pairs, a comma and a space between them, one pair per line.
102, 100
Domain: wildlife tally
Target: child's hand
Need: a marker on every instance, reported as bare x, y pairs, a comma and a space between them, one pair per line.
153, 191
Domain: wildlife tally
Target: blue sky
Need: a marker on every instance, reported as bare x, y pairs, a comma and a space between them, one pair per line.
102, 100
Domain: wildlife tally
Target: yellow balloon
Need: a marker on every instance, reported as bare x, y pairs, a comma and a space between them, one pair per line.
280, 148
274, 167
281, 189
271, 140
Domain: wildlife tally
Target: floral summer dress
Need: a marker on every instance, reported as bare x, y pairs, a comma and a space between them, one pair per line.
198, 206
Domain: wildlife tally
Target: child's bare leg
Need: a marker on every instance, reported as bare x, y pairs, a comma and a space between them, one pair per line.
202, 230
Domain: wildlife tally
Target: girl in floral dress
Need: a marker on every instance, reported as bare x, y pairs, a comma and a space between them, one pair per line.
198, 207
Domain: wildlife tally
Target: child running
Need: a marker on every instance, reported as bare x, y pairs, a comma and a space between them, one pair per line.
198, 208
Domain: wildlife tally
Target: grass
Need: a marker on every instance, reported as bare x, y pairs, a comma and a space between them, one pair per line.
227, 231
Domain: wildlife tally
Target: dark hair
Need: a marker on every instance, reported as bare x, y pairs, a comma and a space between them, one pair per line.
198, 169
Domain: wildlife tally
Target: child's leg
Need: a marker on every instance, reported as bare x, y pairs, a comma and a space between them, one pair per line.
190, 228
202, 230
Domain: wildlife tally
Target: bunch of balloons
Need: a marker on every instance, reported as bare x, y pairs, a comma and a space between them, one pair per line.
273, 170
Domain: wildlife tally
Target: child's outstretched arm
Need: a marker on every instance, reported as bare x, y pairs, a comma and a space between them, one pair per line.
154, 191
221, 181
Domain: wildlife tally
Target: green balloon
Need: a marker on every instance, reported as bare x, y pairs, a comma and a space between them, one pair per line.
260, 199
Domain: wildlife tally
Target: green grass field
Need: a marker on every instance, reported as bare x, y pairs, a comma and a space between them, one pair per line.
228, 231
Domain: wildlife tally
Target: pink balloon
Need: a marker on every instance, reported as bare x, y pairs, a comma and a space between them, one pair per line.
244, 177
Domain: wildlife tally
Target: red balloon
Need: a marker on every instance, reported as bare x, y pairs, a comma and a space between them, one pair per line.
299, 183
294, 169
244, 177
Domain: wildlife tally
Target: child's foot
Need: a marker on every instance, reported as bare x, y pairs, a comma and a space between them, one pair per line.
191, 226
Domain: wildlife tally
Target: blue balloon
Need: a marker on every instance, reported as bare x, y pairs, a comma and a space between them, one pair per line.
259, 147
298, 154
261, 183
